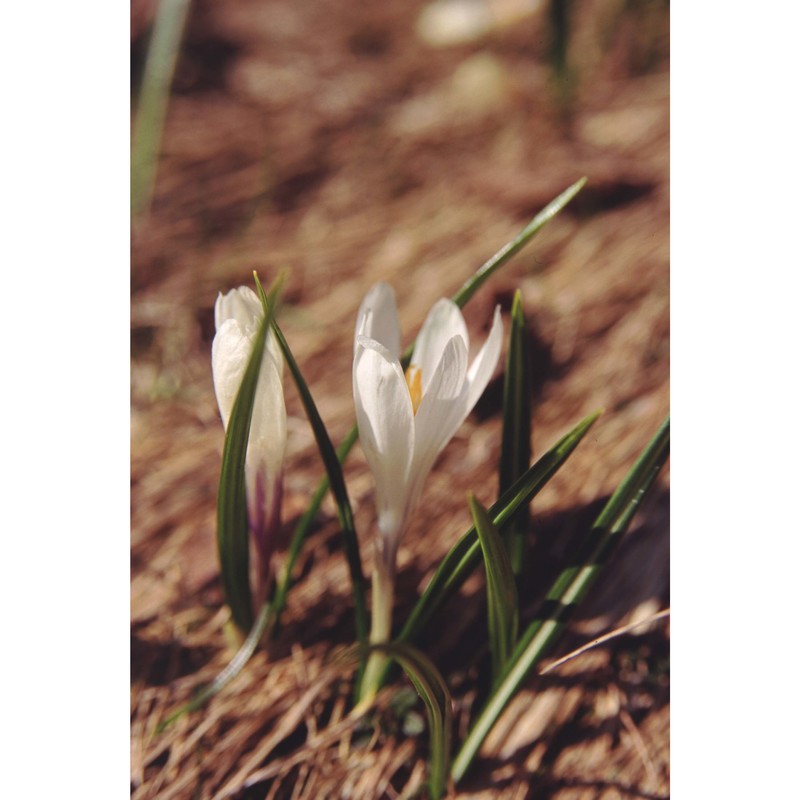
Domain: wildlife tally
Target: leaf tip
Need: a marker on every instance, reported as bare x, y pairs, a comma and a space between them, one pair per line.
516, 306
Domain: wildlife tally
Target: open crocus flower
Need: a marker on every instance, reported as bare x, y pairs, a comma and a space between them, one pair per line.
405, 420
238, 316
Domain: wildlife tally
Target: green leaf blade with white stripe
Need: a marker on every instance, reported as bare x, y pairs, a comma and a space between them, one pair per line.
515, 451
333, 469
501, 588
505, 253
432, 688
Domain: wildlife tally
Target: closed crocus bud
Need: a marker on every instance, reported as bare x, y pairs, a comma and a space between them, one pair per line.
237, 316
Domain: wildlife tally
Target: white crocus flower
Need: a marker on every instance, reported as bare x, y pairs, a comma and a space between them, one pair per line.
406, 420
237, 316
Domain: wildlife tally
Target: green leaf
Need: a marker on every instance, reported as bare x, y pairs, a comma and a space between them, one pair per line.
432, 688
235, 666
151, 110
501, 588
233, 531
335, 479
338, 489
568, 590
515, 452
462, 559
484, 272
284, 581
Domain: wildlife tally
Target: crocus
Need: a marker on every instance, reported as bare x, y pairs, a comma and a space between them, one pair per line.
406, 419
238, 315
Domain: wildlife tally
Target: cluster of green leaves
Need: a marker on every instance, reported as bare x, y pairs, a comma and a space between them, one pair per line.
569, 588
497, 539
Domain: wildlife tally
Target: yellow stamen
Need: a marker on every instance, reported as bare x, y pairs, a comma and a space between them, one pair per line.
414, 381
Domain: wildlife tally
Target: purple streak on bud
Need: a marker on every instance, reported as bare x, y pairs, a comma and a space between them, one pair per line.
264, 516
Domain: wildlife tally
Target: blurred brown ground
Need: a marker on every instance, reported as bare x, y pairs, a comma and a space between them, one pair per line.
328, 139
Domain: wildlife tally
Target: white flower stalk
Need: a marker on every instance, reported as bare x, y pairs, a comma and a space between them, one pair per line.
238, 316
406, 419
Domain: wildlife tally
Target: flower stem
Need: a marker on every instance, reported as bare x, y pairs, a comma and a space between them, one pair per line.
381, 630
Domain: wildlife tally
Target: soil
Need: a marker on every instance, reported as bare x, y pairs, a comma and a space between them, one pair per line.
331, 140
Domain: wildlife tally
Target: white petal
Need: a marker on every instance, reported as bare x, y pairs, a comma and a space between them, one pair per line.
241, 304
230, 352
238, 316
444, 321
267, 442
482, 368
386, 428
377, 318
440, 413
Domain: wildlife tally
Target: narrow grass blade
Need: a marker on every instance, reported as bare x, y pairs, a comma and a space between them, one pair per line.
461, 298
284, 582
568, 590
333, 468
233, 531
432, 688
485, 271
235, 666
515, 451
336, 480
153, 99
462, 559
501, 588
